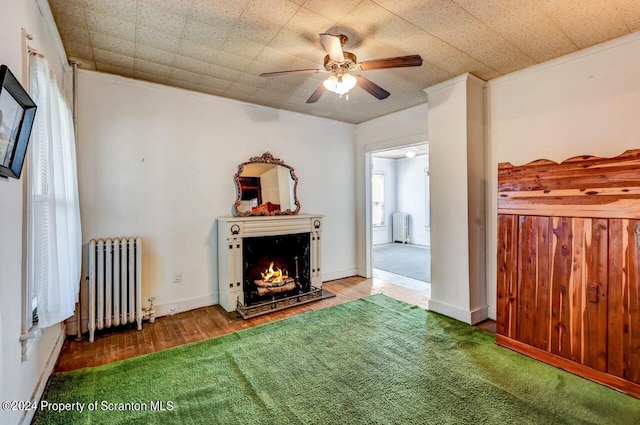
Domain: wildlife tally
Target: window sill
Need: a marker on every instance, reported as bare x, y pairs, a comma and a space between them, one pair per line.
30, 341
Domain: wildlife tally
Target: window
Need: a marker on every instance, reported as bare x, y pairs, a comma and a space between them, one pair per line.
377, 195
54, 243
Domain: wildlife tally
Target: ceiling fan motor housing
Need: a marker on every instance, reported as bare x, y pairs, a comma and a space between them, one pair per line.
350, 63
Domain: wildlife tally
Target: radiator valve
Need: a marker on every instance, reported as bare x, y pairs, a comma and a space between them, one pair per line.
149, 313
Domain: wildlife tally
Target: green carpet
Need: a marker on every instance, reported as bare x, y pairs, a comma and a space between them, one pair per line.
370, 361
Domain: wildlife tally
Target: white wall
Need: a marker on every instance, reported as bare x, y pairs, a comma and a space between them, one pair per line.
384, 234
583, 103
159, 162
413, 196
402, 128
456, 164
20, 380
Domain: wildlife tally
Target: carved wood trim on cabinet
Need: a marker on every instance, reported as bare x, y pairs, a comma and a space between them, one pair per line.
568, 281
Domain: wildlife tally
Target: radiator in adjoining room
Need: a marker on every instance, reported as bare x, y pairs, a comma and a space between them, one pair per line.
115, 283
401, 227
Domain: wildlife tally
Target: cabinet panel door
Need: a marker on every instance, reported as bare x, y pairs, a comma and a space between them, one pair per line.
506, 317
624, 299
566, 288
595, 307
533, 281
578, 290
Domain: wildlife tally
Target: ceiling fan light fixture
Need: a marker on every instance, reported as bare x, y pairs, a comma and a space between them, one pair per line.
340, 84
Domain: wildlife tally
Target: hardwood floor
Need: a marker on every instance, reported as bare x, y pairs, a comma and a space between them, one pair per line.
208, 322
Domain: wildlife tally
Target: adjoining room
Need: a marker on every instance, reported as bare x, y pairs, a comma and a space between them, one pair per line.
400, 217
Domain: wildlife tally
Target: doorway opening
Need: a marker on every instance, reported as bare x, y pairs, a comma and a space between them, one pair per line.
400, 222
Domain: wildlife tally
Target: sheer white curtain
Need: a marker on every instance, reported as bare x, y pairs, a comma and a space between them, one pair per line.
55, 241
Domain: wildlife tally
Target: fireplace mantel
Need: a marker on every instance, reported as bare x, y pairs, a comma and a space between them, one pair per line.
232, 231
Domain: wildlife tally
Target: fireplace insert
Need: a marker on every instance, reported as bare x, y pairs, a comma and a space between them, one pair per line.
275, 267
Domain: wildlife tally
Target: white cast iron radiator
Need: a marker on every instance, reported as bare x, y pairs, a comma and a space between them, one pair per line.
115, 283
401, 227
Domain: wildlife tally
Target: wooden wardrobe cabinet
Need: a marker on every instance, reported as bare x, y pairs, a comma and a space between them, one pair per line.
569, 265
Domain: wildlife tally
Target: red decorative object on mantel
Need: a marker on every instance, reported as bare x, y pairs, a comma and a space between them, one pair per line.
267, 207
568, 281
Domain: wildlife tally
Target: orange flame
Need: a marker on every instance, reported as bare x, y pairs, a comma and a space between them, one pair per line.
274, 276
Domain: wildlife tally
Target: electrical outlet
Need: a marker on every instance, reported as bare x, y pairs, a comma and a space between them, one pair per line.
177, 277
173, 309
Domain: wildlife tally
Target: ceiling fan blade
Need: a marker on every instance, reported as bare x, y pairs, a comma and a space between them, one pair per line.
316, 94
333, 45
397, 62
372, 88
294, 71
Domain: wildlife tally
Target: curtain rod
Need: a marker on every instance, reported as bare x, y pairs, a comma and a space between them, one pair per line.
34, 52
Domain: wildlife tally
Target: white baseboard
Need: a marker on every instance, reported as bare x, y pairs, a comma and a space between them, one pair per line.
339, 274
165, 309
468, 316
479, 314
47, 370
179, 306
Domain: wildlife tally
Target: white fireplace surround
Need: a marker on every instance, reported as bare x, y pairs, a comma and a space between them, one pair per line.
232, 231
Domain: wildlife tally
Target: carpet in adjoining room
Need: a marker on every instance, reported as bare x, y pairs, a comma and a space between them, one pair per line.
406, 260
371, 361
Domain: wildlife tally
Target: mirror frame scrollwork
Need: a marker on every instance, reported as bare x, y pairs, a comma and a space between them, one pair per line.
266, 158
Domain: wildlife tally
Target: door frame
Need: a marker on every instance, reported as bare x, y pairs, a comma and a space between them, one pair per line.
369, 149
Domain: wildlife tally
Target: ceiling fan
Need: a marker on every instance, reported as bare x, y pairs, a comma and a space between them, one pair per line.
338, 63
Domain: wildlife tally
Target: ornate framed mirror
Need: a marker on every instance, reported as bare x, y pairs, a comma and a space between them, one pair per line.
266, 186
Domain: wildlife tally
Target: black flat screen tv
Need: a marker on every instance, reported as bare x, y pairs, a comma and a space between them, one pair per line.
17, 112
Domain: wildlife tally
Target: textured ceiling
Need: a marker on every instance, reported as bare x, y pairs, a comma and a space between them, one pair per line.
221, 46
